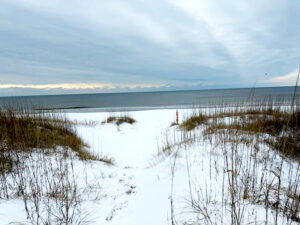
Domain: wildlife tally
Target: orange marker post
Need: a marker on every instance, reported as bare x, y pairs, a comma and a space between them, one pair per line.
177, 116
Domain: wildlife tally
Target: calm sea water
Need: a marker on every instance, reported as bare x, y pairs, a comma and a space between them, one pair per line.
152, 100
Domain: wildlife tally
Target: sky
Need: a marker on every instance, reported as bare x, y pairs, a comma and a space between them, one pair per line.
97, 46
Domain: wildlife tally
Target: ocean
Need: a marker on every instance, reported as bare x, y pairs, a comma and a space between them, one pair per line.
152, 100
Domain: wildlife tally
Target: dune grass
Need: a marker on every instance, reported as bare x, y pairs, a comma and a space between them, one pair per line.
283, 127
24, 131
38, 151
240, 141
194, 121
118, 120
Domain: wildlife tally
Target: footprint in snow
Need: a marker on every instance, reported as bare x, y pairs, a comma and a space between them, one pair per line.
115, 210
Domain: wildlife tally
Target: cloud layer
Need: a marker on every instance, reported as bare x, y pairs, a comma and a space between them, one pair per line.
178, 43
289, 79
79, 86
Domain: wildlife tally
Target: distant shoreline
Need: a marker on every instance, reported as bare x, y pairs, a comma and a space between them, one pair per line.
153, 100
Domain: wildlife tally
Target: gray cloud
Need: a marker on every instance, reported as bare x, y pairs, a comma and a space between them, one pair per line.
161, 42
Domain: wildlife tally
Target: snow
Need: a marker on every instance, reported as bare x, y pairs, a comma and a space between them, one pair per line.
134, 147
137, 188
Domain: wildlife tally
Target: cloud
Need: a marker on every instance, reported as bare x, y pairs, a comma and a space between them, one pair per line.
117, 44
80, 86
284, 80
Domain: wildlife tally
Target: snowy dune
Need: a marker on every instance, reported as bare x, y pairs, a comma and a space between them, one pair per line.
137, 189
134, 149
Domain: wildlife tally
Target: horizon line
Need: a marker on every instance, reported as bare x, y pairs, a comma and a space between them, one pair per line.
130, 92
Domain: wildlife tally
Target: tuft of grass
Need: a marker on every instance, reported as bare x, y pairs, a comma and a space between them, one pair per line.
173, 124
118, 120
111, 119
107, 160
194, 121
6, 162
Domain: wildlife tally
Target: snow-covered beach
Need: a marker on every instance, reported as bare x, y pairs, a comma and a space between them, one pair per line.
145, 185
183, 112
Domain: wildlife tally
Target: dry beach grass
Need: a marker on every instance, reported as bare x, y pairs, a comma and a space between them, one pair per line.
259, 166
241, 164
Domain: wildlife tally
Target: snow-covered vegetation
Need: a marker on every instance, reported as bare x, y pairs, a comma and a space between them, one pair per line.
229, 165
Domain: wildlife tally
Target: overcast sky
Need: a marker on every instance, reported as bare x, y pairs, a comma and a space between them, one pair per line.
88, 46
